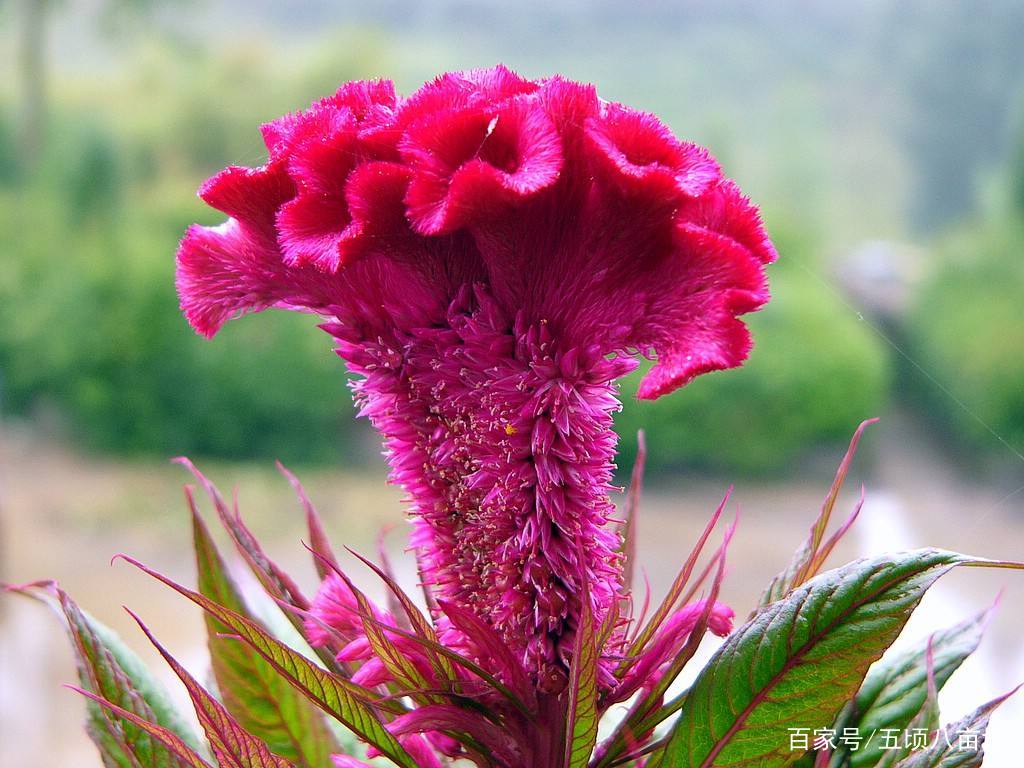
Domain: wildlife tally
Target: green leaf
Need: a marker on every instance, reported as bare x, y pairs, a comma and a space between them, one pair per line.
107, 668
277, 584
324, 557
233, 746
184, 754
798, 661
582, 717
896, 688
925, 721
261, 700
340, 698
959, 745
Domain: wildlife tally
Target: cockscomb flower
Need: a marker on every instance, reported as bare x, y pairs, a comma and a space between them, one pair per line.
491, 254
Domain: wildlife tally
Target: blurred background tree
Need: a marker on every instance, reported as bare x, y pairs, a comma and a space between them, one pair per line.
32, 77
959, 66
33, 68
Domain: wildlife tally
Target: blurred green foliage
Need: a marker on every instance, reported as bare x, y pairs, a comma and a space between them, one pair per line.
99, 337
89, 323
966, 330
89, 326
1017, 180
962, 67
815, 372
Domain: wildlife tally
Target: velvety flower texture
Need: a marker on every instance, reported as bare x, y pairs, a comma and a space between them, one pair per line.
491, 254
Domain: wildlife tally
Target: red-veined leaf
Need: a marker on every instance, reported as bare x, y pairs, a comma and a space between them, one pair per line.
113, 672
675, 591
447, 718
797, 661
581, 713
810, 557
416, 621
473, 668
926, 720
168, 739
318, 540
262, 701
278, 583
232, 745
348, 703
490, 644
961, 744
400, 666
395, 604
647, 712
896, 687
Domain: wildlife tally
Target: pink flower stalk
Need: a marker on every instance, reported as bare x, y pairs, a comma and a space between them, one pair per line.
491, 254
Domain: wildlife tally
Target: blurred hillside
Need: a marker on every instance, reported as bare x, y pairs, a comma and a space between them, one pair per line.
875, 120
